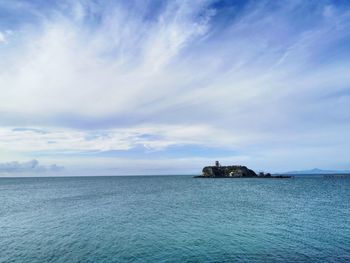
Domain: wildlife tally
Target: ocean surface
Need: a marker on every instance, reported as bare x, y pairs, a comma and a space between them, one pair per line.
174, 219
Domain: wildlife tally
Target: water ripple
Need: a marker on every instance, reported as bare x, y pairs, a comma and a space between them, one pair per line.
174, 219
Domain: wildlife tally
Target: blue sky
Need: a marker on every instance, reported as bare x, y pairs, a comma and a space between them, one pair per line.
159, 87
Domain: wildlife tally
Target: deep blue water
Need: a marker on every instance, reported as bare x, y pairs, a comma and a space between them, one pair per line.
174, 219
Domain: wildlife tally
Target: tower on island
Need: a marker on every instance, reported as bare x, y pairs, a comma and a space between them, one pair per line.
217, 164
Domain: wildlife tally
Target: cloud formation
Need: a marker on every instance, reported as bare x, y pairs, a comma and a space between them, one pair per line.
264, 81
32, 166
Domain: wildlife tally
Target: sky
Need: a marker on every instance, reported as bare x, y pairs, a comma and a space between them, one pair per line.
130, 87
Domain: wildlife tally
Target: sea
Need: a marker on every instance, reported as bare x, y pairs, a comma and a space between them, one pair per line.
174, 219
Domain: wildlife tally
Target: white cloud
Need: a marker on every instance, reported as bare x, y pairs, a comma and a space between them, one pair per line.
67, 63
2, 38
261, 80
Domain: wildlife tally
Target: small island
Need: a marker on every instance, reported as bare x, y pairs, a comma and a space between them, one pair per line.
233, 171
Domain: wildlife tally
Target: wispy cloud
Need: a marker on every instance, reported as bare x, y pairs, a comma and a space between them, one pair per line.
158, 137
254, 78
29, 130
2, 38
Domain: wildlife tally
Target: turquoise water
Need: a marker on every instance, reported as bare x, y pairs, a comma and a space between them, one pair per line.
174, 219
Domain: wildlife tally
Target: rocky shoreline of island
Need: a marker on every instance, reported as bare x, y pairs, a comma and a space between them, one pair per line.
235, 171
258, 177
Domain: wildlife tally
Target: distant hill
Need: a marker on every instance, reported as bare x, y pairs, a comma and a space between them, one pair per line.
319, 171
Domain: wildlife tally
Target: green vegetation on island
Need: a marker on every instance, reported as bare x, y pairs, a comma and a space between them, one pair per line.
233, 171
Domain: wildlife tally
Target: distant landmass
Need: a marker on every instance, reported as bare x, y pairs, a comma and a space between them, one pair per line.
318, 171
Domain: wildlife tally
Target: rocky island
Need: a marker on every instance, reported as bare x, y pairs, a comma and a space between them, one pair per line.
233, 171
